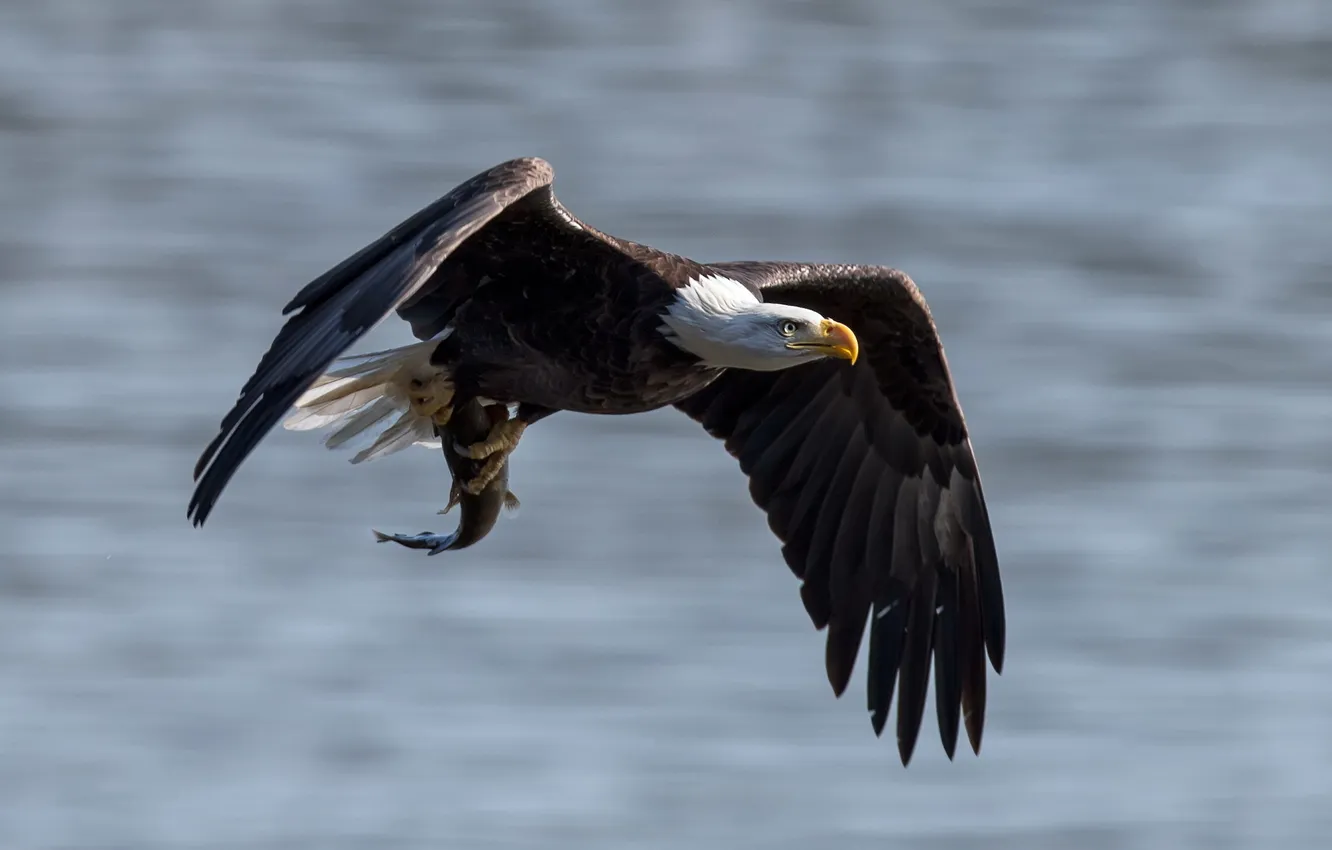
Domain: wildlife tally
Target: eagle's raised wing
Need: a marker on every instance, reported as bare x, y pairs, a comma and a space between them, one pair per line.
868, 478
340, 306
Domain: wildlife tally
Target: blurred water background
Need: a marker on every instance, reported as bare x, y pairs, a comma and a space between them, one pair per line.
1119, 212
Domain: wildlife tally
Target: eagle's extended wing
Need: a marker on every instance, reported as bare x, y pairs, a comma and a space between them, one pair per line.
343, 304
867, 476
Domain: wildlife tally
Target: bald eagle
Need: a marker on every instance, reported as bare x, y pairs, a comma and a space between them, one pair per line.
828, 383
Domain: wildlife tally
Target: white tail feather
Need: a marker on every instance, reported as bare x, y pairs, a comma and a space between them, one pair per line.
321, 414
365, 398
406, 431
376, 415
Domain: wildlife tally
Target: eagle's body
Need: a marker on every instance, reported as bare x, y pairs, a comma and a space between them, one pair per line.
527, 335
828, 383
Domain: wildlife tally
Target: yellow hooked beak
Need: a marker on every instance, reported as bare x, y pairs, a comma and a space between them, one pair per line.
837, 340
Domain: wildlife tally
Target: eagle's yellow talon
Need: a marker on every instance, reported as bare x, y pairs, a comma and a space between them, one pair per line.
494, 450
503, 439
487, 474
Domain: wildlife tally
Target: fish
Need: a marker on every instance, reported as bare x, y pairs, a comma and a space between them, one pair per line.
470, 423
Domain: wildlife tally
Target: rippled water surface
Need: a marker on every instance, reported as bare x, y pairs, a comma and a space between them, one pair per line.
1118, 210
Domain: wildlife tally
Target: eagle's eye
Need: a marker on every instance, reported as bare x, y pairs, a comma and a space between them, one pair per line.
789, 328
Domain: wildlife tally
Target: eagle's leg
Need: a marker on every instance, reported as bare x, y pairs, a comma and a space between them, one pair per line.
498, 445
494, 450
433, 398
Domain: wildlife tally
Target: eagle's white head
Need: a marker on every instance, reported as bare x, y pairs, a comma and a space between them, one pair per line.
725, 325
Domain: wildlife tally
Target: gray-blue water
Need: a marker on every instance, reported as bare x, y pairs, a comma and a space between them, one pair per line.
1120, 212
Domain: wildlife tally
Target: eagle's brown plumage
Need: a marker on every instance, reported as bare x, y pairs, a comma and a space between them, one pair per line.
865, 471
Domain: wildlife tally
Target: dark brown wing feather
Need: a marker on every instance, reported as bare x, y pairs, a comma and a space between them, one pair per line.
343, 304
867, 476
